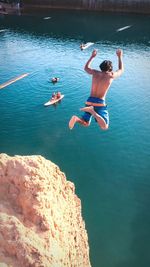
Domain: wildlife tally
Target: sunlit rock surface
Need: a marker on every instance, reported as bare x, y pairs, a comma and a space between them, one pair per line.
40, 216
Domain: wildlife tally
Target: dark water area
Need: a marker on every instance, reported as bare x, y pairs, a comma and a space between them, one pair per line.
85, 25
110, 169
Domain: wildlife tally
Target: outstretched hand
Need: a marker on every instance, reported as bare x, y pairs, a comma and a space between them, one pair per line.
119, 53
94, 53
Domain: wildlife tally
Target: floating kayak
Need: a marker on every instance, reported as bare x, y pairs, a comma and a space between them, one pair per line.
53, 101
85, 46
124, 28
13, 80
47, 18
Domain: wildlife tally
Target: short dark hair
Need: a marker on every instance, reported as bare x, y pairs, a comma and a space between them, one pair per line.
106, 65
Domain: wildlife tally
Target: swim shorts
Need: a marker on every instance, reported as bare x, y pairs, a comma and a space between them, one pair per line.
100, 108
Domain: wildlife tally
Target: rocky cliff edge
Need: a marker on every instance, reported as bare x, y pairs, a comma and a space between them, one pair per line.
40, 216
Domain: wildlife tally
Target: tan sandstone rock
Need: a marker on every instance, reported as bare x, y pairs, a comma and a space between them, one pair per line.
40, 216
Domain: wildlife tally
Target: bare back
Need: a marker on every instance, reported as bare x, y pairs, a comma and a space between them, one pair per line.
101, 82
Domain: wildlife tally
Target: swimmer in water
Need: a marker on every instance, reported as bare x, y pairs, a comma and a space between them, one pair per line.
55, 80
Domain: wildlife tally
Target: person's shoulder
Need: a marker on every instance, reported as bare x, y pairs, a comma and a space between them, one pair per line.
116, 74
96, 72
111, 74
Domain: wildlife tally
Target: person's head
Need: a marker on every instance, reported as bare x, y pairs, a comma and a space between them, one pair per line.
106, 65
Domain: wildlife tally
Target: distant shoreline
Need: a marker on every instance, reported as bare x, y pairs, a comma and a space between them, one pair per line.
32, 6
126, 6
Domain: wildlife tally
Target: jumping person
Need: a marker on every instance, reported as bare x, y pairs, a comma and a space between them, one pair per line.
101, 81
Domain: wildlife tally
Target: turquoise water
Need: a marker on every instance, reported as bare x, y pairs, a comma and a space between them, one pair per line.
110, 169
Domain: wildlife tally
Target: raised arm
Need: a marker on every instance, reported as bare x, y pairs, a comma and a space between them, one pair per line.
120, 70
87, 67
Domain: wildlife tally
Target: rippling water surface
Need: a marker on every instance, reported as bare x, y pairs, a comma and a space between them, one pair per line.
110, 169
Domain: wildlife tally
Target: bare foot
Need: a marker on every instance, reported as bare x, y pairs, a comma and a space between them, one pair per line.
72, 122
87, 109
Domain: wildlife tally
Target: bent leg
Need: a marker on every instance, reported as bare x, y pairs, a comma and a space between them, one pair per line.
103, 125
75, 119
